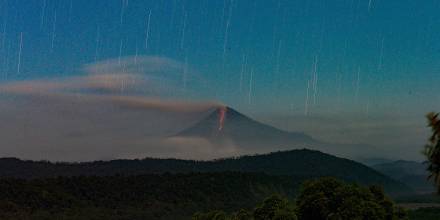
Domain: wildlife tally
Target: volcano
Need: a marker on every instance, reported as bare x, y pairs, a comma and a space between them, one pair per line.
234, 123
226, 126
244, 131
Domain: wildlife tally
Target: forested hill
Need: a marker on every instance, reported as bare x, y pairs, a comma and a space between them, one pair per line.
151, 196
291, 163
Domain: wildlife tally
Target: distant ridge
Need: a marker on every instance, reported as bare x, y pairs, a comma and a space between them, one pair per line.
302, 164
413, 173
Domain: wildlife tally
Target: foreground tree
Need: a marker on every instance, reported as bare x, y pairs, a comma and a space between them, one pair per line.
242, 215
275, 208
432, 149
321, 199
329, 198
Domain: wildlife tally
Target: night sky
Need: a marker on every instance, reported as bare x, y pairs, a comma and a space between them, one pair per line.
350, 70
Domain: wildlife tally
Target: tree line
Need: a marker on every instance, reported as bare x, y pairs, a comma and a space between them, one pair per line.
322, 199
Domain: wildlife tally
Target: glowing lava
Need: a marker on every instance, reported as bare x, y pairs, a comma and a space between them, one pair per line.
221, 117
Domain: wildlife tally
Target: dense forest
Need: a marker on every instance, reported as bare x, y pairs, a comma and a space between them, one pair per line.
180, 196
177, 189
287, 163
154, 196
321, 199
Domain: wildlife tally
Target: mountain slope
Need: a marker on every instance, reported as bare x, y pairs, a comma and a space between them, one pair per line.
240, 128
226, 126
296, 163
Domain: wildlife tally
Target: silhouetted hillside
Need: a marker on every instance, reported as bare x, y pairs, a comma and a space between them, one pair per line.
289, 163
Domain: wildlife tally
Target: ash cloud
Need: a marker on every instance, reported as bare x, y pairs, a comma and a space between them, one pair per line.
127, 108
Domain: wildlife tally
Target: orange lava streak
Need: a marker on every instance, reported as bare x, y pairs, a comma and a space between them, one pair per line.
221, 117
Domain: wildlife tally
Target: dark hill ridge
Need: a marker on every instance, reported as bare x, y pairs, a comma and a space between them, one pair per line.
296, 163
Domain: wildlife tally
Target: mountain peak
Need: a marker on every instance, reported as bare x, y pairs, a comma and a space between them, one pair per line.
227, 123
215, 123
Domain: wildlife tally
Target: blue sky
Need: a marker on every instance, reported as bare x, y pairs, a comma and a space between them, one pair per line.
354, 58
392, 44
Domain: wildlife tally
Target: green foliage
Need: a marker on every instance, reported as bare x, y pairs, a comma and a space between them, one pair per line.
329, 198
432, 149
275, 208
242, 215
177, 196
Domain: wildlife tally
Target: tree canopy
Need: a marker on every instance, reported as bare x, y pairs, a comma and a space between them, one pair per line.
432, 149
329, 198
321, 199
